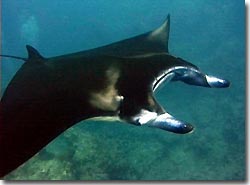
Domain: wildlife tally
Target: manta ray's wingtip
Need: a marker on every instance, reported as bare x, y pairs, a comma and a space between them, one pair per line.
161, 34
166, 22
168, 17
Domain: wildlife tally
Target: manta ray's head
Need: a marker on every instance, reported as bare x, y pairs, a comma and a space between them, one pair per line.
143, 75
147, 64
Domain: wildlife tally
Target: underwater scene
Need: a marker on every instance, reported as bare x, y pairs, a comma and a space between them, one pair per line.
207, 33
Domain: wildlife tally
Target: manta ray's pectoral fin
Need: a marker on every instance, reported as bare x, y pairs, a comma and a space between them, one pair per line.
163, 121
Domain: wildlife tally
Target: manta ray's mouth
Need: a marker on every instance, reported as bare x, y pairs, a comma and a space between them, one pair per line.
159, 81
164, 120
168, 75
164, 78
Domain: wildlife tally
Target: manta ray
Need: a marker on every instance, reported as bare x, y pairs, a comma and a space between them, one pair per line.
48, 95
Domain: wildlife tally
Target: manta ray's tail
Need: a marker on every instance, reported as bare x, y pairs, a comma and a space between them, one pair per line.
15, 57
33, 55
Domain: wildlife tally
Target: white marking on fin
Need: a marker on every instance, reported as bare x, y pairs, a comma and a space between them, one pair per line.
144, 117
212, 80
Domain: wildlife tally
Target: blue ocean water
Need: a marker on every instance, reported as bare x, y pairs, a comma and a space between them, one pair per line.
208, 33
